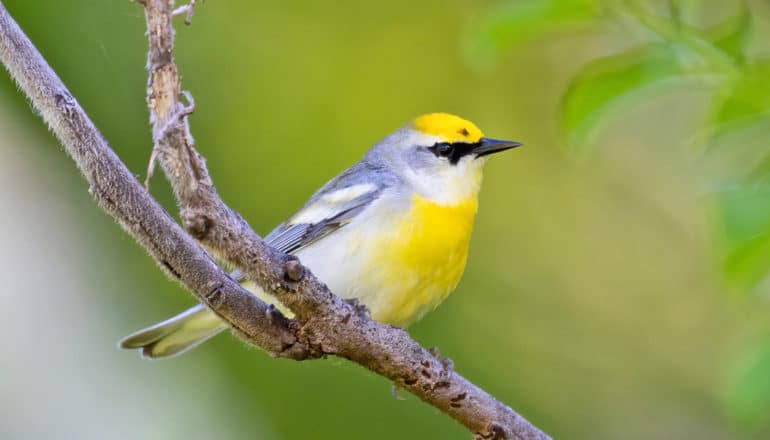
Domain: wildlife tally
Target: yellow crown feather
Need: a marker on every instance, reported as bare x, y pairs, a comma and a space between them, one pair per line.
449, 127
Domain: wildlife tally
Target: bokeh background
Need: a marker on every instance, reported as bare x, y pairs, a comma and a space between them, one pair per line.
617, 285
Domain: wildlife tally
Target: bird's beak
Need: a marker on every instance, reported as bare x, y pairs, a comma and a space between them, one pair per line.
488, 146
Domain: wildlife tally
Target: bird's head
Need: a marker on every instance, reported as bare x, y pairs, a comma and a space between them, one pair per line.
441, 155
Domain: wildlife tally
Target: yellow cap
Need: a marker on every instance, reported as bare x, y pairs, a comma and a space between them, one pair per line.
449, 127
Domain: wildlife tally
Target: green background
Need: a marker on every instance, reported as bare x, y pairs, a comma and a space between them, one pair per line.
597, 300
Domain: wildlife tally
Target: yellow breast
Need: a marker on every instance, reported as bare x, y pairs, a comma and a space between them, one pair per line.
423, 261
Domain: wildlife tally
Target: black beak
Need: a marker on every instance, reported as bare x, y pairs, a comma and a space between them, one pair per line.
488, 146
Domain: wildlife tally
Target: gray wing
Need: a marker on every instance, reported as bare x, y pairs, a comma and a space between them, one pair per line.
332, 207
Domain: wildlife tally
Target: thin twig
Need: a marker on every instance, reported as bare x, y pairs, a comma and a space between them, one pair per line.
151, 167
188, 10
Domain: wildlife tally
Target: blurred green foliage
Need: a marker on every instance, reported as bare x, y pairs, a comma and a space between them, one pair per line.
748, 396
669, 41
596, 299
676, 45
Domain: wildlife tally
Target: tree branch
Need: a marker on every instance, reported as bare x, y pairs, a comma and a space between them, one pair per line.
119, 193
324, 323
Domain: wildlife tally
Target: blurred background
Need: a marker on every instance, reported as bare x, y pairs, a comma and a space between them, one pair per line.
617, 285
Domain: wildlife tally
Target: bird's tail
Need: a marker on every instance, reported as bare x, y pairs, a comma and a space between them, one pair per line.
176, 335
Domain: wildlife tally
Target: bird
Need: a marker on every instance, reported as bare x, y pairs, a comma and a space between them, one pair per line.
391, 232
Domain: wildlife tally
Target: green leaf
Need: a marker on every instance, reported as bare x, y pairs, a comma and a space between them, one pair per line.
740, 105
520, 20
731, 35
734, 42
748, 393
737, 143
606, 83
750, 95
745, 235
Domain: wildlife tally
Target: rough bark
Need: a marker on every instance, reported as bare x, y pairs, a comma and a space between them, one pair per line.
324, 324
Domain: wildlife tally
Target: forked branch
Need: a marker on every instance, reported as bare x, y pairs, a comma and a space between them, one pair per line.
324, 324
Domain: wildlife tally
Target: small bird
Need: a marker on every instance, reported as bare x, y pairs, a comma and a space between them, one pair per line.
391, 232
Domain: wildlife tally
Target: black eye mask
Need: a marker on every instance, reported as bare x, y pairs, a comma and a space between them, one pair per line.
454, 151
457, 150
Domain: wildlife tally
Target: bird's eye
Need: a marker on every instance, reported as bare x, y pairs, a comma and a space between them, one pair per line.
443, 149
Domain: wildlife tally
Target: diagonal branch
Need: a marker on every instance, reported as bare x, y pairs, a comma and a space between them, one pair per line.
325, 324
119, 193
